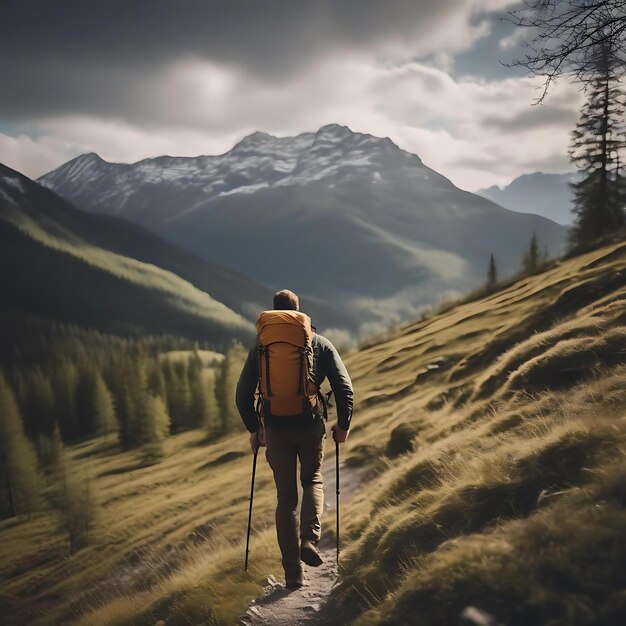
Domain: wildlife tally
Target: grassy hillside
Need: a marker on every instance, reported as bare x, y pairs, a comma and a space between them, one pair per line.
60, 263
148, 520
513, 500
510, 501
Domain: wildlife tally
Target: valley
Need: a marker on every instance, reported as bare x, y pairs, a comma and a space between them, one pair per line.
350, 218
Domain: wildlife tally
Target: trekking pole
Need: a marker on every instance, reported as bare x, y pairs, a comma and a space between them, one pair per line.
337, 481
245, 569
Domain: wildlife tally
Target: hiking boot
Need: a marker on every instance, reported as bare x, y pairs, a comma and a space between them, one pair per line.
294, 577
310, 555
293, 584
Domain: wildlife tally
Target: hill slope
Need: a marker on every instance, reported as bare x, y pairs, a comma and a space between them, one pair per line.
106, 273
56, 265
511, 500
347, 216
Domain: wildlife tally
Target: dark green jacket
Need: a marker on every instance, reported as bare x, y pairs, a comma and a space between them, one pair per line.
326, 364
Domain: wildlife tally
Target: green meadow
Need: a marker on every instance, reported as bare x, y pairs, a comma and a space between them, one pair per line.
490, 440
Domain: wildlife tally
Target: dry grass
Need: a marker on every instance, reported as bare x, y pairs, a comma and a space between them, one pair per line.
512, 499
152, 521
454, 523
563, 564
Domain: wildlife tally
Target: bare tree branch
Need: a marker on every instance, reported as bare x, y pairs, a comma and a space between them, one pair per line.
564, 35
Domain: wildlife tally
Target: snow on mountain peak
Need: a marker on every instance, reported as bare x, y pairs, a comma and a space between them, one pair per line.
258, 161
89, 157
252, 141
84, 162
334, 130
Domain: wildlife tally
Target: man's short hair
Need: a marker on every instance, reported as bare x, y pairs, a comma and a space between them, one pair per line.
286, 300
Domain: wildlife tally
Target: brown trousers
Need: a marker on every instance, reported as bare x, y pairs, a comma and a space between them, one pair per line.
284, 448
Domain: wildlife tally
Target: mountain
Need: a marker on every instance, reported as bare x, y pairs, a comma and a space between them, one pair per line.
341, 216
543, 194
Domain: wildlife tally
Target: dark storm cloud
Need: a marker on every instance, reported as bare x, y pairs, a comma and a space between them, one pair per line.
104, 56
254, 33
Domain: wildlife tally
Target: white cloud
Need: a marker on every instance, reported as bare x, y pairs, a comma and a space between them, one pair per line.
35, 156
116, 140
446, 122
193, 106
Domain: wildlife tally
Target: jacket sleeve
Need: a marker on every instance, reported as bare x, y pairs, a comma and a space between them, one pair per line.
244, 396
340, 383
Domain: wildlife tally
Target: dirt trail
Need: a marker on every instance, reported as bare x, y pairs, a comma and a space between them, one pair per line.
280, 607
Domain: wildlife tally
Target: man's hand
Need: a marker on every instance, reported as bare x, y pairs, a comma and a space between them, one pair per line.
257, 440
339, 434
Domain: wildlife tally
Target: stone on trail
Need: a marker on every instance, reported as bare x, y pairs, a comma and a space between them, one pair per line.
472, 616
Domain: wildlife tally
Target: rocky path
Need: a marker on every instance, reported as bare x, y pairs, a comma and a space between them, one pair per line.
280, 607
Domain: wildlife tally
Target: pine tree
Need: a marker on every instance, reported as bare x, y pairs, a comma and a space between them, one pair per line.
37, 403
195, 366
212, 423
156, 380
154, 428
199, 403
226, 385
127, 414
201, 388
532, 261
50, 450
64, 384
179, 396
596, 143
79, 508
143, 415
95, 405
492, 274
104, 419
168, 378
18, 462
129, 392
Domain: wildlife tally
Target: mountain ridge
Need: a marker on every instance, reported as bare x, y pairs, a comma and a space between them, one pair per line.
362, 223
543, 194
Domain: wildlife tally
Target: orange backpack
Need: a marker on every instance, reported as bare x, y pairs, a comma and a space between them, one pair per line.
286, 383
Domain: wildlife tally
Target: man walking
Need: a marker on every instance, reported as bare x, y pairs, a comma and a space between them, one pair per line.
285, 370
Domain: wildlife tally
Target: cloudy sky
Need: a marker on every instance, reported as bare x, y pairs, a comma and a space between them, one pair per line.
133, 79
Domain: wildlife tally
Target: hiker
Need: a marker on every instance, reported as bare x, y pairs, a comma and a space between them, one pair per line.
289, 419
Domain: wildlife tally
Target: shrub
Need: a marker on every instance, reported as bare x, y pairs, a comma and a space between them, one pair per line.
401, 440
